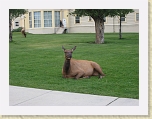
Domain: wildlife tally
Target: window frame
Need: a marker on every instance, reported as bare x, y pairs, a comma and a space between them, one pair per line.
90, 19
30, 19
57, 21
37, 19
106, 20
49, 21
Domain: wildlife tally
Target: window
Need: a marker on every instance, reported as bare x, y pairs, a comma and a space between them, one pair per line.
37, 19
90, 18
137, 16
123, 18
105, 19
57, 18
77, 19
47, 19
16, 23
30, 20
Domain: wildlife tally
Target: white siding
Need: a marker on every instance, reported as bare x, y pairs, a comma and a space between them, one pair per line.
111, 24
85, 26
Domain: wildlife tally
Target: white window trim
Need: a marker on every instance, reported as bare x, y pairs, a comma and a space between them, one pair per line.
30, 20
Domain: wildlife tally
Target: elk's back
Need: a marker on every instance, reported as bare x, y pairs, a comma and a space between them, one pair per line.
81, 65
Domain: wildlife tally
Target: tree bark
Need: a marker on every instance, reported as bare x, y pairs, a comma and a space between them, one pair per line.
10, 32
102, 32
120, 36
99, 28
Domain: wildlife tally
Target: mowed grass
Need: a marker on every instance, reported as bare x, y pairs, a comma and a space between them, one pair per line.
36, 61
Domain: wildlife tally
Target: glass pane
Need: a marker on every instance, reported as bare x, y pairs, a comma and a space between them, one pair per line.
104, 19
89, 18
39, 17
45, 17
77, 19
137, 16
123, 18
45, 25
45, 21
30, 24
35, 21
49, 23
39, 21
35, 25
45, 12
30, 16
39, 25
35, 13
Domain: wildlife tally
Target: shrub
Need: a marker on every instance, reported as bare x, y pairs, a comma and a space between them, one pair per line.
17, 30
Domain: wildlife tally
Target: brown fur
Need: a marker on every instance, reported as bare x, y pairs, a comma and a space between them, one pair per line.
23, 32
79, 68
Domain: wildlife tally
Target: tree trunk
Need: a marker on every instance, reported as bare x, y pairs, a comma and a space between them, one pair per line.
99, 28
10, 32
120, 36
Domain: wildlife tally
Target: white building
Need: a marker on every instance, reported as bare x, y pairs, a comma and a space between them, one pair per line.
46, 21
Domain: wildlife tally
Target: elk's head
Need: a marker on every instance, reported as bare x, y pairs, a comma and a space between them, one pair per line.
68, 53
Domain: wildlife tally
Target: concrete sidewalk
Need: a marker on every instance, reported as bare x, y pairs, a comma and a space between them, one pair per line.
21, 96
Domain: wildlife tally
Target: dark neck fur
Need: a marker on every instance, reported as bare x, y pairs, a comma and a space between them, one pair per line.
66, 66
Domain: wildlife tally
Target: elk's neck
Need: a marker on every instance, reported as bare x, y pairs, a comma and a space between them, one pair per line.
66, 66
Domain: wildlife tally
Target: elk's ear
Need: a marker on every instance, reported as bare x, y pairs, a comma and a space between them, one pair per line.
63, 48
73, 48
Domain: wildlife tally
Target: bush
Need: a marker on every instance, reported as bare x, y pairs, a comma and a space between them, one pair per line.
17, 30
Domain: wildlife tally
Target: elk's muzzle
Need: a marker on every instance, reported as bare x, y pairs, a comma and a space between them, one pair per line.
68, 56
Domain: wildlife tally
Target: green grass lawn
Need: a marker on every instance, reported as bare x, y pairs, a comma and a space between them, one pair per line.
36, 61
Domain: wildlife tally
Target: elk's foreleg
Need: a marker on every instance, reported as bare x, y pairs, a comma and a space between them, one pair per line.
24, 34
80, 74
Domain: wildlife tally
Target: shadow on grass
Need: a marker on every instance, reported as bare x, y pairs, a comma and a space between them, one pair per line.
13, 42
105, 42
109, 41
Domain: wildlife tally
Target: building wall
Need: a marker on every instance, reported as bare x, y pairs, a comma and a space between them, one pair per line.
42, 29
111, 24
18, 22
85, 26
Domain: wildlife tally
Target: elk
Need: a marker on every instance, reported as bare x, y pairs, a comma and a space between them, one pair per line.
73, 68
23, 32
